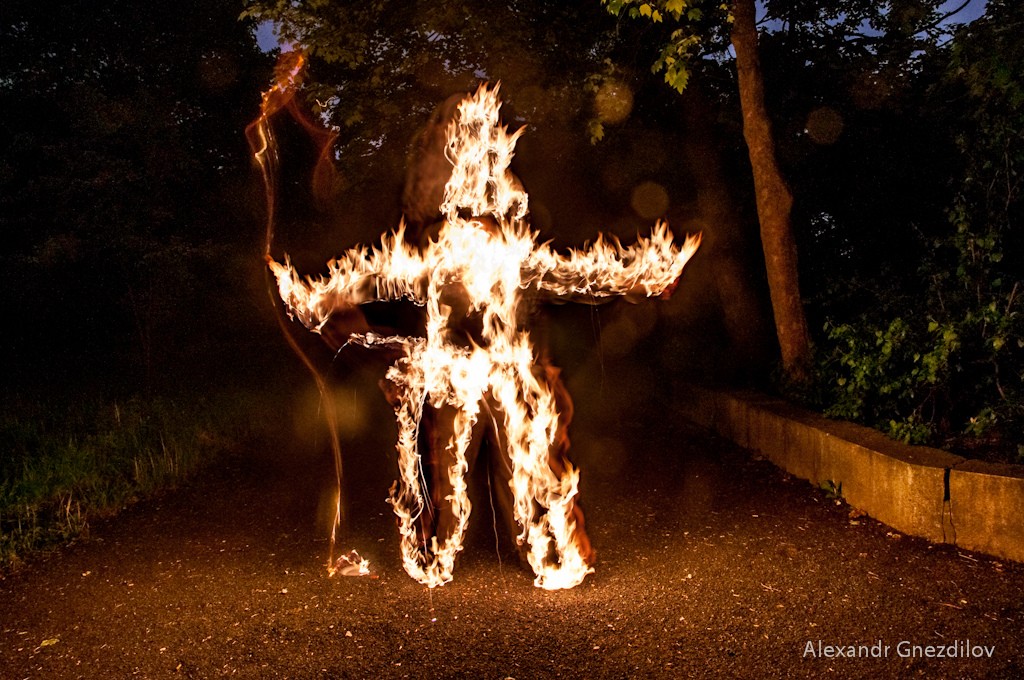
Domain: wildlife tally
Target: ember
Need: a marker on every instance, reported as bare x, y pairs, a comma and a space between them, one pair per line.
484, 263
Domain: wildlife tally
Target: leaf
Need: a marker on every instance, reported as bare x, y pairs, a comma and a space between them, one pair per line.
645, 10
615, 6
677, 77
49, 641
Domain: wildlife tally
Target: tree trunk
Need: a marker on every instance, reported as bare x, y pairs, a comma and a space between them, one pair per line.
774, 200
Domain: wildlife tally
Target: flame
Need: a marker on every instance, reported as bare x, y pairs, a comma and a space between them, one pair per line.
351, 564
260, 135
487, 247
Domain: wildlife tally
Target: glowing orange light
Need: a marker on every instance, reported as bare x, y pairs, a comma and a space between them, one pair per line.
487, 247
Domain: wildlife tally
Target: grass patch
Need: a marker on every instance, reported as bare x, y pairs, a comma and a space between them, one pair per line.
61, 466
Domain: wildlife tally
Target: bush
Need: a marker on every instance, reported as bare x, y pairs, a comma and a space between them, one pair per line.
946, 366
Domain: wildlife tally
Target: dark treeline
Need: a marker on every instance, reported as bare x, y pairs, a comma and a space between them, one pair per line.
132, 215
127, 197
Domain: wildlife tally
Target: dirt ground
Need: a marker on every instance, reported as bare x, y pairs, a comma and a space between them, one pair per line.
711, 564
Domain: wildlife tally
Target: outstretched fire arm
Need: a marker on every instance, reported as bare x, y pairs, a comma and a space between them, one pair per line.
393, 271
649, 267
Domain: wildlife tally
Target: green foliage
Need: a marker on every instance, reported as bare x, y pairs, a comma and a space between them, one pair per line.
946, 365
949, 363
61, 467
698, 23
923, 378
899, 368
833, 491
675, 59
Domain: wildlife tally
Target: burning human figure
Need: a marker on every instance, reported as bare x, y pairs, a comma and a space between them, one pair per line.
476, 363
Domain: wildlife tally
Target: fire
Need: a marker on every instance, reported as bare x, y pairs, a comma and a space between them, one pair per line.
351, 564
260, 135
487, 251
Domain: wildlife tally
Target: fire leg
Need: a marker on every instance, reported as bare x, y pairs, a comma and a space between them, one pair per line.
406, 493
449, 537
442, 459
544, 500
558, 458
430, 564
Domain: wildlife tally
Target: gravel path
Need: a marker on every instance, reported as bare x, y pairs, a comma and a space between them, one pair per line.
711, 564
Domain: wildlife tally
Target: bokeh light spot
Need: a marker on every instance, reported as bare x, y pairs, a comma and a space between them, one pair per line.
649, 200
824, 125
613, 102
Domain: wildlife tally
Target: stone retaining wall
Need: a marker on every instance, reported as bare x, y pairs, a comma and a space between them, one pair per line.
915, 489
